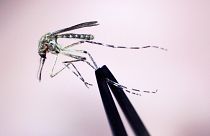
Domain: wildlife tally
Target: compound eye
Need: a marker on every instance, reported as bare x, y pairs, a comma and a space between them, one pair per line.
44, 48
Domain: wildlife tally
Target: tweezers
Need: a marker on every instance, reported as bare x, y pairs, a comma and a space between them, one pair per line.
115, 122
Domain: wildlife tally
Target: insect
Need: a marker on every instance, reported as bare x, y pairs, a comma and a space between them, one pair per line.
49, 44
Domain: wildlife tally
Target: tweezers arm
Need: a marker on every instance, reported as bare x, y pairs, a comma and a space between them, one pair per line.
113, 116
126, 106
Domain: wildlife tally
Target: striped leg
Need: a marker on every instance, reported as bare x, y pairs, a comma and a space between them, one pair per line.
130, 90
54, 74
123, 47
73, 44
81, 51
91, 58
77, 73
82, 58
113, 46
67, 63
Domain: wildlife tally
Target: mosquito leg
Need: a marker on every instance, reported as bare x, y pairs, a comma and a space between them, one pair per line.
96, 67
51, 75
124, 47
82, 51
78, 74
54, 74
81, 58
91, 58
73, 44
67, 63
129, 90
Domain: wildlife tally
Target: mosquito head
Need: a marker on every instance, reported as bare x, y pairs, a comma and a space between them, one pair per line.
43, 45
42, 51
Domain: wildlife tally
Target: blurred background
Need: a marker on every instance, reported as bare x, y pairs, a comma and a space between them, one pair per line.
63, 106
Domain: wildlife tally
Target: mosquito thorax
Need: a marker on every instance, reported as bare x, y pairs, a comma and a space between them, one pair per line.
47, 43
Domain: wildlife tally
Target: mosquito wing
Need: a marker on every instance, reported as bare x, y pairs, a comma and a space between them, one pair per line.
86, 24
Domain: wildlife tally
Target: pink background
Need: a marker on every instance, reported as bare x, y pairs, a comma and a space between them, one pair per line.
63, 106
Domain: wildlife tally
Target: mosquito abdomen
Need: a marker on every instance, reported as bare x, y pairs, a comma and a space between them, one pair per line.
77, 36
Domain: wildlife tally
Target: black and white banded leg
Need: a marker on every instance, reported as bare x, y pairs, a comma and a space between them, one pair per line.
66, 65
124, 47
113, 46
90, 56
130, 90
56, 73
80, 51
94, 66
77, 73
73, 44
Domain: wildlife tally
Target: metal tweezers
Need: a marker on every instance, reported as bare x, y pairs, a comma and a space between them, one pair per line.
115, 122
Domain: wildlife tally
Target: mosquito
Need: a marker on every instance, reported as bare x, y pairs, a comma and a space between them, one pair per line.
49, 44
